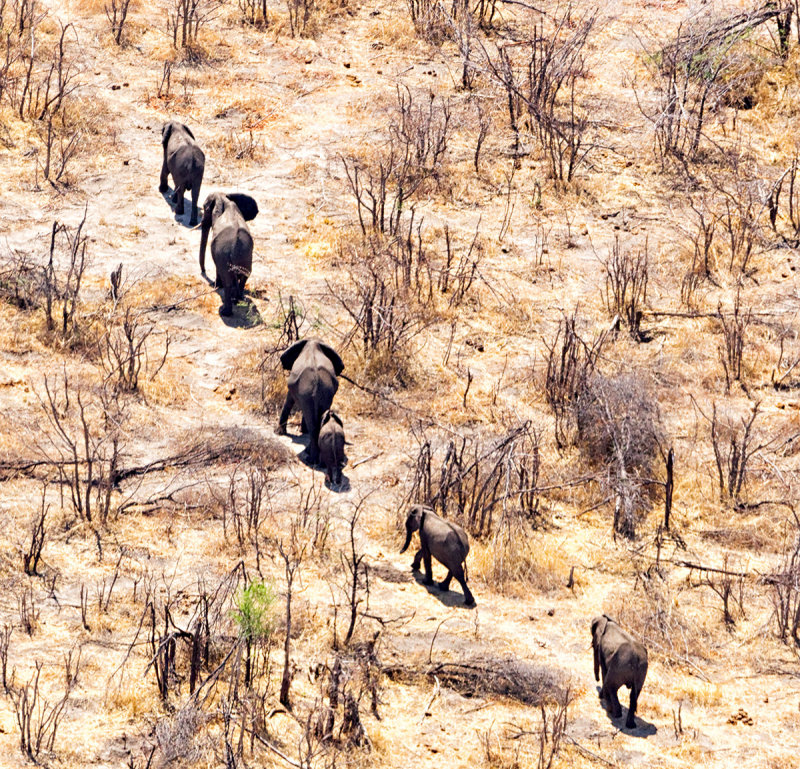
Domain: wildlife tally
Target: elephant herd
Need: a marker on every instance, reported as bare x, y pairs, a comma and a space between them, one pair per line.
314, 368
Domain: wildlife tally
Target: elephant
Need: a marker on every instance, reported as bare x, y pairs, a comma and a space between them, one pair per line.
314, 368
331, 445
447, 542
184, 159
623, 661
231, 243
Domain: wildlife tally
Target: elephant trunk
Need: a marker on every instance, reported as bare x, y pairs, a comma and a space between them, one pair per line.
409, 534
596, 660
203, 241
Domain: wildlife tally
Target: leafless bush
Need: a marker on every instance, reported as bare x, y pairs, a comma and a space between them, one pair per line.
62, 288
117, 14
619, 434
28, 611
480, 483
20, 279
700, 71
126, 349
784, 212
729, 586
430, 20
185, 18
459, 271
734, 447
412, 154
300, 15
541, 78
37, 534
176, 734
626, 285
570, 364
246, 503
788, 358
292, 551
785, 592
5, 645
83, 442
254, 12
485, 674
734, 334
37, 718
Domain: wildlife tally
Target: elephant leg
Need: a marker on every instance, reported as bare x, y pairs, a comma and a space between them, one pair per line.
631, 720
227, 294
285, 413
616, 708
162, 184
417, 560
195, 196
469, 599
178, 199
426, 557
303, 427
240, 287
445, 583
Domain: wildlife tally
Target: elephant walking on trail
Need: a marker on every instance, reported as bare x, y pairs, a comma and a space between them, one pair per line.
184, 159
623, 661
314, 368
331, 445
443, 540
231, 243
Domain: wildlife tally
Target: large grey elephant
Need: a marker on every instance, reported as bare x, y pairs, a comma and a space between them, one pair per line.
447, 542
331, 445
231, 243
184, 159
313, 368
623, 661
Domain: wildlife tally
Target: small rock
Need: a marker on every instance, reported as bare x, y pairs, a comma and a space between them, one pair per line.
347, 65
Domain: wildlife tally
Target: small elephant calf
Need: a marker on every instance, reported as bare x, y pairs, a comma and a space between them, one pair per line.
623, 661
447, 542
331, 445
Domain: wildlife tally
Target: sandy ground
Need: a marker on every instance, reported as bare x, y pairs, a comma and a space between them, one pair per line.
319, 93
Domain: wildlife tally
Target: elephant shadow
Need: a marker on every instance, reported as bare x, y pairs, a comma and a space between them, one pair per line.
187, 208
453, 599
245, 313
644, 729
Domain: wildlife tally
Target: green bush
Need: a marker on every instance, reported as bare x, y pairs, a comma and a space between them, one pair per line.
254, 611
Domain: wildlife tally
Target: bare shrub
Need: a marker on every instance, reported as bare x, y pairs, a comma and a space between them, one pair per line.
785, 591
784, 212
254, 12
38, 719
485, 674
185, 19
126, 348
430, 20
701, 70
734, 447
301, 13
729, 587
652, 613
541, 77
83, 442
570, 364
626, 286
37, 534
482, 483
619, 434
413, 153
61, 289
788, 359
734, 334
117, 14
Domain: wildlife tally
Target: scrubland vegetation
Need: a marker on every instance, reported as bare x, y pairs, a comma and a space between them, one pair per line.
556, 247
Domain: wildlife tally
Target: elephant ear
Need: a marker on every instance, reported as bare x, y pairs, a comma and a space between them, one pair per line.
599, 626
166, 132
291, 354
245, 204
333, 357
188, 131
